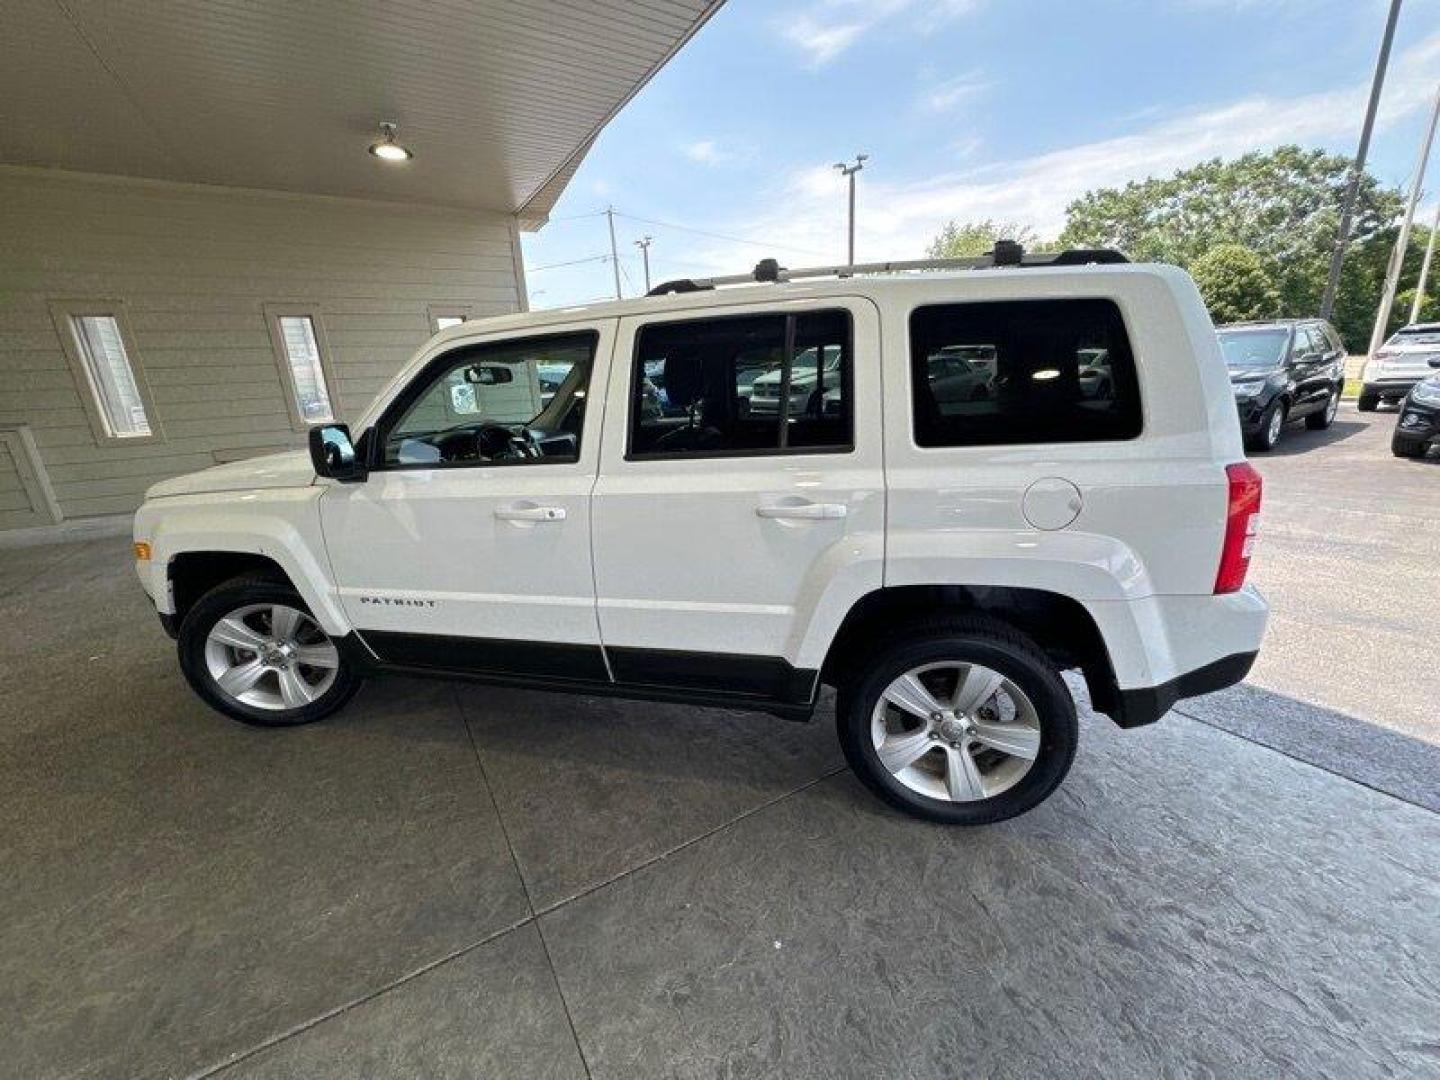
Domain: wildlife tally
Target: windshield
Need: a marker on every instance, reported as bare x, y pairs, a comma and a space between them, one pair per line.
1253, 348
1428, 336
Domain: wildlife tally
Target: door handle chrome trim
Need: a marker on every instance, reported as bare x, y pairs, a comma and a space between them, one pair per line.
530, 513
805, 512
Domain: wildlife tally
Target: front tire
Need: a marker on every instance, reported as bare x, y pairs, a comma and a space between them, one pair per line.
252, 650
961, 721
1272, 423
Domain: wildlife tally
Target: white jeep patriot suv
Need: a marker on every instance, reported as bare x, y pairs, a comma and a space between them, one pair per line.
938, 557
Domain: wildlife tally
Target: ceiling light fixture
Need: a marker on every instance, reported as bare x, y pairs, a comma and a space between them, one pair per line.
387, 149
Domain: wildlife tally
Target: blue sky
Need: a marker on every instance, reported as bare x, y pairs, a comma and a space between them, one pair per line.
968, 109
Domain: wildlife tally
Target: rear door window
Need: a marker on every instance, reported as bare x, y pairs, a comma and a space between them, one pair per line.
753, 384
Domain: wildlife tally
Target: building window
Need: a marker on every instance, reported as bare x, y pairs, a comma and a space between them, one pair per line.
1022, 371
102, 354
304, 363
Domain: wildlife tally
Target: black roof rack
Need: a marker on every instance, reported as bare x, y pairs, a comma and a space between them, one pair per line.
1007, 253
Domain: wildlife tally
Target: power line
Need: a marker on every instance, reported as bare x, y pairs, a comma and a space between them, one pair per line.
572, 262
574, 217
721, 236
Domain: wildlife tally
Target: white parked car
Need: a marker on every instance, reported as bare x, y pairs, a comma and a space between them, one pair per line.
940, 567
810, 382
1411, 354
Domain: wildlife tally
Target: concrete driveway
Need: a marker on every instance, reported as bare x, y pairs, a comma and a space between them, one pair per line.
449, 880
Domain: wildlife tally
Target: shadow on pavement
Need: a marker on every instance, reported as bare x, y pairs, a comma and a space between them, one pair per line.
1298, 439
1358, 750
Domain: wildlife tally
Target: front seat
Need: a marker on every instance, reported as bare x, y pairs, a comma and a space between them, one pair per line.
705, 406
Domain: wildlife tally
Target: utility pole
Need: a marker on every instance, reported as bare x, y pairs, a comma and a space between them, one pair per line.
849, 171
614, 255
1397, 257
644, 245
1425, 268
1357, 170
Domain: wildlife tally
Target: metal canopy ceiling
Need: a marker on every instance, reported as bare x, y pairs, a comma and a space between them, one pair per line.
499, 99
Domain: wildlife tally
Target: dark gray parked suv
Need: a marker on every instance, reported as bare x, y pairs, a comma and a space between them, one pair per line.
1282, 370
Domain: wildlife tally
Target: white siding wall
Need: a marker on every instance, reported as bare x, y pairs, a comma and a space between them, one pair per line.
194, 266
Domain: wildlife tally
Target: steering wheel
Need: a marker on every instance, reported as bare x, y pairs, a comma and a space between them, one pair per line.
497, 442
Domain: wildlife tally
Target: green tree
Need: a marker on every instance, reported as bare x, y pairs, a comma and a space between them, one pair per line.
1363, 278
1429, 308
1284, 205
966, 240
1236, 284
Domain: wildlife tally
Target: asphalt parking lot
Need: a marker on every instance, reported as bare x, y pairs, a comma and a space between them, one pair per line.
457, 881
1349, 558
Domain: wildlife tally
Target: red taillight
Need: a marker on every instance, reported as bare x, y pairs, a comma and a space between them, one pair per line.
1242, 517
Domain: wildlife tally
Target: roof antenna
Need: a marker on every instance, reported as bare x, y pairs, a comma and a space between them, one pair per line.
768, 270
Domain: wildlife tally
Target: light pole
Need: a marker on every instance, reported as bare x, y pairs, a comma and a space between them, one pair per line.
849, 171
1397, 257
644, 245
1425, 268
614, 255
1357, 170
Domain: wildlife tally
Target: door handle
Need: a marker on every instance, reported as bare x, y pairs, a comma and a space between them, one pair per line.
805, 512
530, 513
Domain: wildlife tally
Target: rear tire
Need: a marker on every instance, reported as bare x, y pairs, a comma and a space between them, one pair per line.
1321, 420
252, 650
1367, 402
991, 688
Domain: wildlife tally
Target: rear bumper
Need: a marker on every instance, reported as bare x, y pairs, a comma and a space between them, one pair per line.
1144, 706
1164, 648
1391, 389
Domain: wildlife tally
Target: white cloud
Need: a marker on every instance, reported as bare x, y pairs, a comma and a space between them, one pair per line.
897, 218
823, 42
827, 28
705, 151
943, 96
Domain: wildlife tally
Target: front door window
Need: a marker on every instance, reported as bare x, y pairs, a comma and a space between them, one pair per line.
513, 402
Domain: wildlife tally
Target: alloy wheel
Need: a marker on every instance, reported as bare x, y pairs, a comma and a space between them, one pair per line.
1332, 406
955, 731
1277, 421
271, 656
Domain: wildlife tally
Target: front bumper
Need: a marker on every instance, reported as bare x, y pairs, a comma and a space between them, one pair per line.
1250, 410
1418, 421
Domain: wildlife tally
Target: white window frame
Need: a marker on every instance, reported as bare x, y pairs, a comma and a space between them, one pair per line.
273, 314
436, 312
65, 314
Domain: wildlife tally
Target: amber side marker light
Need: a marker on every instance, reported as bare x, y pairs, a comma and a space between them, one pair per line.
142, 551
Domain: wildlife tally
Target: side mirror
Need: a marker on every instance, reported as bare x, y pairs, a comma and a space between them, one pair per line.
333, 454
488, 375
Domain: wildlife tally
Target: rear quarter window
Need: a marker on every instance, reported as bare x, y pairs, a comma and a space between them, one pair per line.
1022, 371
